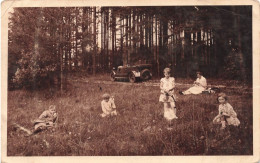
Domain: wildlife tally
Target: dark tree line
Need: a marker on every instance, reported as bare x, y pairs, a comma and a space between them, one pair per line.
45, 44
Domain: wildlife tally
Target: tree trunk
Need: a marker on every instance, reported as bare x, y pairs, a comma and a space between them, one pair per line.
95, 42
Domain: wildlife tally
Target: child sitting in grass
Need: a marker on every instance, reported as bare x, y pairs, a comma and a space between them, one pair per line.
108, 105
167, 96
226, 113
46, 120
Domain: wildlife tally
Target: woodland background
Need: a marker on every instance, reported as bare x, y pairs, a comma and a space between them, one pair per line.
47, 44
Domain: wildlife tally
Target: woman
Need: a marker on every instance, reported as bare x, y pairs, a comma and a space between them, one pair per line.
199, 86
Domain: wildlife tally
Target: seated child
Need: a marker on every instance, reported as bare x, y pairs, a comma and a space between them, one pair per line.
226, 113
47, 119
108, 105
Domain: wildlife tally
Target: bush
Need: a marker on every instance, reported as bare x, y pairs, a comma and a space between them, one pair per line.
234, 68
33, 69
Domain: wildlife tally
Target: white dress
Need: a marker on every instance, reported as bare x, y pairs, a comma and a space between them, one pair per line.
227, 109
108, 108
169, 98
197, 88
167, 84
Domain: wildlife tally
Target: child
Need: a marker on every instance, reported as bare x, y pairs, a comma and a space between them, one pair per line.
47, 119
108, 105
167, 96
226, 113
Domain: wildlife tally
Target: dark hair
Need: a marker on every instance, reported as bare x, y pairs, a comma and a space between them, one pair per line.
222, 95
198, 72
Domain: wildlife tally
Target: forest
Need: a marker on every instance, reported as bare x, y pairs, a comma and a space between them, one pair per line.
47, 44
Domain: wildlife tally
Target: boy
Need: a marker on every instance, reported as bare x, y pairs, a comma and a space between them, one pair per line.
47, 119
108, 105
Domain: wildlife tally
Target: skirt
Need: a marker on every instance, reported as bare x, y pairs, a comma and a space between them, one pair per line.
167, 98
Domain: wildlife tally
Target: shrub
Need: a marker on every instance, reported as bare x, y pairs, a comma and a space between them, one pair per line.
234, 68
33, 68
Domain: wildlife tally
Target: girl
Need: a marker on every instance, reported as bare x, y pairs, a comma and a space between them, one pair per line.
167, 96
108, 105
226, 113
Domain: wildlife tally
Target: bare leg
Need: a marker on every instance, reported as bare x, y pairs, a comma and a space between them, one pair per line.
223, 122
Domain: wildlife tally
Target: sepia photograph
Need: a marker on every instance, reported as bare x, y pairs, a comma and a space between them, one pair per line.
130, 80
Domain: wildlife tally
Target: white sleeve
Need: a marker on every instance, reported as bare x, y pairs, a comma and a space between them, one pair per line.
203, 82
231, 111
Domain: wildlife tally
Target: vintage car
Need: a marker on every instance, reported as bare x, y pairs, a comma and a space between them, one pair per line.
132, 73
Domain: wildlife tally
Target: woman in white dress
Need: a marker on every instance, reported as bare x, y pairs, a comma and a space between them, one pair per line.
167, 96
198, 87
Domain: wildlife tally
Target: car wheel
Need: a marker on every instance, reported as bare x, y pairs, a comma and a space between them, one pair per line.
145, 74
131, 77
112, 76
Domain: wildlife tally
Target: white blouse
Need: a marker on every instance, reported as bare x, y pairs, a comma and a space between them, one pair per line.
202, 81
167, 84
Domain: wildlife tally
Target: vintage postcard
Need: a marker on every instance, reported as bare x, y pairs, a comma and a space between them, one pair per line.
121, 81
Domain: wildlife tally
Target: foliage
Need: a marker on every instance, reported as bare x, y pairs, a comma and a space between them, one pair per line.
31, 51
234, 67
33, 69
99, 38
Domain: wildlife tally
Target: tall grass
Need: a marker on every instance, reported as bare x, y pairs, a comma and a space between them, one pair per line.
139, 129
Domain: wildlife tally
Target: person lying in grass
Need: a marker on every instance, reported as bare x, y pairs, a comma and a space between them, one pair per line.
46, 120
227, 115
167, 96
198, 87
108, 106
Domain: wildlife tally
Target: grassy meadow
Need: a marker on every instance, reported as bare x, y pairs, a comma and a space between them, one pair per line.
139, 129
